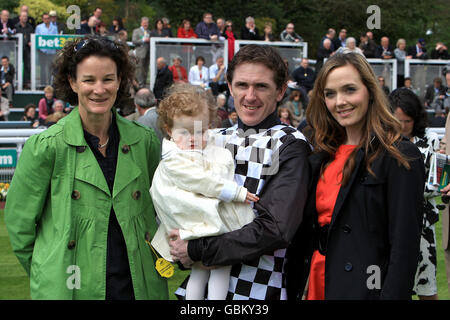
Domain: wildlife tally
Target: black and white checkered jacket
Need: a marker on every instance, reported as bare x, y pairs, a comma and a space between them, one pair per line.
271, 161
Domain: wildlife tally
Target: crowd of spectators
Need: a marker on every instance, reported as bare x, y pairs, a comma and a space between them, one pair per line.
209, 77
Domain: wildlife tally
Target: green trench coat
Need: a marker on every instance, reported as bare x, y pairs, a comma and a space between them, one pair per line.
58, 206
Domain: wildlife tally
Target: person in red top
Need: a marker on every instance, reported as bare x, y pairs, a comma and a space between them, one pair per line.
185, 30
230, 38
179, 72
365, 206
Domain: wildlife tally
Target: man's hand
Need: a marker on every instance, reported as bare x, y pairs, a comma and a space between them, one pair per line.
178, 249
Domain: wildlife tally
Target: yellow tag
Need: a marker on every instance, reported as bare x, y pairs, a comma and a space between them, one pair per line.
164, 268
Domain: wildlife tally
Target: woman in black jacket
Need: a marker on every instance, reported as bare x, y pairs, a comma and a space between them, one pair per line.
366, 196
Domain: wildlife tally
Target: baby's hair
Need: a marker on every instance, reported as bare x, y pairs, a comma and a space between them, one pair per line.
185, 99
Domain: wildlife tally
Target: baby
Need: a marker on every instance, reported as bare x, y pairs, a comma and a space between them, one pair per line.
193, 188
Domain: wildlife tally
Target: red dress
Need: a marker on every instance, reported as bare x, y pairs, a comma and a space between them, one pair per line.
326, 195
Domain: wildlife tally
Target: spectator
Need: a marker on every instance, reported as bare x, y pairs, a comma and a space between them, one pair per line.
400, 55
7, 73
159, 30
285, 116
331, 33
408, 84
230, 38
117, 25
413, 119
221, 25
98, 15
340, 41
4, 107
164, 78
304, 76
30, 20
383, 86
222, 113
418, 51
385, 51
438, 121
185, 30
29, 114
26, 30
296, 107
207, 29
46, 104
217, 74
102, 30
89, 27
167, 26
324, 52
435, 95
179, 72
350, 46
231, 119
122, 36
6, 24
289, 34
58, 113
367, 46
369, 35
440, 51
141, 39
46, 55
268, 34
145, 103
53, 20
199, 74
250, 31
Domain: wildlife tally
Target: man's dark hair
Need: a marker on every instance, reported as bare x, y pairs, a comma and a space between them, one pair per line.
5, 57
265, 55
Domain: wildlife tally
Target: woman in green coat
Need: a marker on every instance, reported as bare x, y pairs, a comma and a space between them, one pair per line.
78, 211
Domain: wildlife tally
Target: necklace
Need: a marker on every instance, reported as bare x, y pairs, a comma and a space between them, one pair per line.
101, 146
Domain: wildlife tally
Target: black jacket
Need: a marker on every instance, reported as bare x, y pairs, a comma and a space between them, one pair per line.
304, 77
247, 35
164, 78
376, 223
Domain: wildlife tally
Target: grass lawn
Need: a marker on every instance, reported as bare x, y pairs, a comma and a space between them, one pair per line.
14, 283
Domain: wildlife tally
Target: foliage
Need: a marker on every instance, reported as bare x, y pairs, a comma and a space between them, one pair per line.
9, 5
36, 8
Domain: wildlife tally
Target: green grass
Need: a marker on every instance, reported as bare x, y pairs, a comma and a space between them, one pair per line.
14, 283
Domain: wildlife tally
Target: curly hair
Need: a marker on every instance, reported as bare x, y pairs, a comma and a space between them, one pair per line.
184, 99
410, 104
76, 51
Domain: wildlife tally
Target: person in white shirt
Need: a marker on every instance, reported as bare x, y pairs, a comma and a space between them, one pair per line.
193, 188
199, 74
46, 55
217, 74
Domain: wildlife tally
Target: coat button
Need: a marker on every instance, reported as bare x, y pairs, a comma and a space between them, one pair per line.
348, 267
136, 195
71, 244
347, 228
363, 179
80, 149
147, 236
125, 148
76, 195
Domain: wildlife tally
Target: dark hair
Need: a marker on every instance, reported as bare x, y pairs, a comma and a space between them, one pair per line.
120, 22
200, 58
410, 104
156, 23
263, 54
74, 52
28, 107
5, 57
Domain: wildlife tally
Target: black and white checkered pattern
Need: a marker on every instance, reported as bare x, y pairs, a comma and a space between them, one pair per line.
256, 157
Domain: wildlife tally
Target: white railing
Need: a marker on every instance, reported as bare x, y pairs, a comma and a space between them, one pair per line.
17, 137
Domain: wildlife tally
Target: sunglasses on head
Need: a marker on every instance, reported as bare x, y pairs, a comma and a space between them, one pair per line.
106, 42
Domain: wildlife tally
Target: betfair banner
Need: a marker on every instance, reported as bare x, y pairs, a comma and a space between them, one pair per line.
54, 41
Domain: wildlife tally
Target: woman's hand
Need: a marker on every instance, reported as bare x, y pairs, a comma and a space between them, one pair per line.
178, 248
